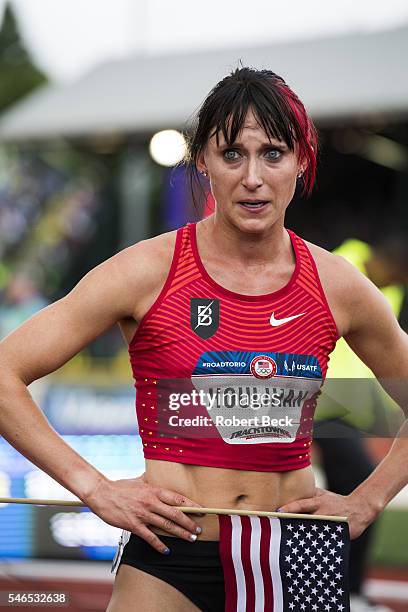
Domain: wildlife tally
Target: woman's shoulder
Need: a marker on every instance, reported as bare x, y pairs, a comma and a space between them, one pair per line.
144, 268
139, 267
156, 249
334, 268
148, 261
342, 283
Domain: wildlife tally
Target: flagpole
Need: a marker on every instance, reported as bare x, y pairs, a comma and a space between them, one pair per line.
318, 517
185, 509
41, 502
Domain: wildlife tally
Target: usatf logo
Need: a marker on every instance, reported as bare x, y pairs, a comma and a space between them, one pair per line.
204, 316
263, 366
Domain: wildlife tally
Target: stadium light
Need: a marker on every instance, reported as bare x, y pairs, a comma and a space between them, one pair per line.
167, 147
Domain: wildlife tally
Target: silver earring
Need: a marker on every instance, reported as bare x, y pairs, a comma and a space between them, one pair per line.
203, 172
300, 175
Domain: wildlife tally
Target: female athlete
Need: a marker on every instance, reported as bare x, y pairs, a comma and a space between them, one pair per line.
231, 298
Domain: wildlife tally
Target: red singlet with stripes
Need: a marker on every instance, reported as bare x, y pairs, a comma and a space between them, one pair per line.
229, 380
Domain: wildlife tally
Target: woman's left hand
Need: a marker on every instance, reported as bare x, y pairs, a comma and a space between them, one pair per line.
356, 509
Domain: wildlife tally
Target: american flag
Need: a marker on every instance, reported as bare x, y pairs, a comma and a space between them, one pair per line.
281, 564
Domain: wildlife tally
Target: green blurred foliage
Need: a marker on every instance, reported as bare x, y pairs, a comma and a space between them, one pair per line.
390, 544
18, 73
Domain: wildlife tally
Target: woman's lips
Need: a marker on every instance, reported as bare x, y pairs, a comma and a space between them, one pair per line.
254, 207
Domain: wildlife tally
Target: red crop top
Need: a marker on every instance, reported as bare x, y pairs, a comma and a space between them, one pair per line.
229, 380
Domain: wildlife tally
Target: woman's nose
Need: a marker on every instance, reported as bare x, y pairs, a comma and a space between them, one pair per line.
252, 175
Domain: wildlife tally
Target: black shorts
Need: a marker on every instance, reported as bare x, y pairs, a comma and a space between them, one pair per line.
193, 568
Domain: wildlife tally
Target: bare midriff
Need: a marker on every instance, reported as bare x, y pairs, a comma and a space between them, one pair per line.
226, 488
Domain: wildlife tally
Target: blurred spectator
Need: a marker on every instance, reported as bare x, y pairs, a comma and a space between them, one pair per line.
22, 299
49, 200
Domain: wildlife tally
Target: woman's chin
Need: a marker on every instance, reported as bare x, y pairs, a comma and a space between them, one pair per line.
255, 224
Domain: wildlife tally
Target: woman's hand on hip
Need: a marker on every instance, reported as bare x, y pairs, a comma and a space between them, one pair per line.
136, 506
359, 513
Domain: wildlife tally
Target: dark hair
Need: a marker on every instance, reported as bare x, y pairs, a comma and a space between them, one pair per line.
277, 108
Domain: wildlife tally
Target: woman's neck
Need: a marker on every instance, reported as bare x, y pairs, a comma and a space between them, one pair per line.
246, 247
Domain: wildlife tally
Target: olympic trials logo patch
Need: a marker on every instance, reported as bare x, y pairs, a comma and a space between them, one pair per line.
263, 366
204, 316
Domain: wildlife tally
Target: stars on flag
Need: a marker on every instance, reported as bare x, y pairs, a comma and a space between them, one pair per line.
315, 567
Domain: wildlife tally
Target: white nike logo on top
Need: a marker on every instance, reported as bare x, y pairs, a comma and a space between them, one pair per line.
276, 322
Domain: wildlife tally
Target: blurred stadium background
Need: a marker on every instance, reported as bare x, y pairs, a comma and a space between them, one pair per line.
81, 178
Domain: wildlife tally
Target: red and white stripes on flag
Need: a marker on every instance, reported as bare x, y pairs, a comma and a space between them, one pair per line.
276, 564
249, 549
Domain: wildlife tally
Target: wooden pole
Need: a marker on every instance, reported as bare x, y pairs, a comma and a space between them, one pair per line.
41, 502
186, 509
235, 511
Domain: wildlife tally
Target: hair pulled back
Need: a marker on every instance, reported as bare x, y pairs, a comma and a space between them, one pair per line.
278, 110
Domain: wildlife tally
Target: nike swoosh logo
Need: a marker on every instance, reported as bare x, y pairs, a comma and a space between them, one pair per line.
276, 322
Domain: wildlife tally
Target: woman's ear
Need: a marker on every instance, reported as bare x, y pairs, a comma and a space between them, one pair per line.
301, 169
201, 165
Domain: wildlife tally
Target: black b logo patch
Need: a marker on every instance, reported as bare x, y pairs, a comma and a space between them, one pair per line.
204, 316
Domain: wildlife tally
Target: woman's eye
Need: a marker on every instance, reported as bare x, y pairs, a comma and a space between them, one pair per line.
231, 155
273, 154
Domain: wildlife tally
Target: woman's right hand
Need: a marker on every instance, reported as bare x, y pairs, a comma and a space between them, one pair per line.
135, 505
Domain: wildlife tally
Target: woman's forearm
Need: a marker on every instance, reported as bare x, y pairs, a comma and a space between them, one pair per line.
390, 475
367, 501
24, 426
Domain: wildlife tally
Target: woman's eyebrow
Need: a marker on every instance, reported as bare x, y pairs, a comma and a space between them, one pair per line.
265, 145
